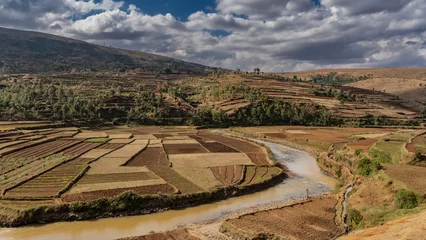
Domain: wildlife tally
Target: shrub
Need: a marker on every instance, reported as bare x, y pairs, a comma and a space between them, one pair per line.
358, 152
367, 167
406, 199
380, 156
354, 217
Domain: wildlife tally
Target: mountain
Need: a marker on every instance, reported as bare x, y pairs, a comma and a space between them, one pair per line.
35, 52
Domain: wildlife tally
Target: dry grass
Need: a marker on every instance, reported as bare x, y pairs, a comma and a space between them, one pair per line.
206, 160
172, 177
202, 177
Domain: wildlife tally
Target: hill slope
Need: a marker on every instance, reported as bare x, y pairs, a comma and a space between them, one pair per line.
407, 83
34, 52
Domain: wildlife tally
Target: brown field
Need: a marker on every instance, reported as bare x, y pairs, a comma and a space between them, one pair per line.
80, 149
169, 175
42, 150
160, 136
50, 183
109, 178
150, 156
202, 177
91, 134
96, 153
73, 169
228, 175
143, 190
309, 220
178, 234
275, 135
259, 159
213, 146
240, 145
418, 144
111, 146
364, 144
255, 174
205, 160
414, 177
184, 148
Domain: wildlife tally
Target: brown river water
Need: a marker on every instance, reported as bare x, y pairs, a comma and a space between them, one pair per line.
302, 164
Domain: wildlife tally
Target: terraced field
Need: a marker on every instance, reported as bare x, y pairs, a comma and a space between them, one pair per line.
91, 165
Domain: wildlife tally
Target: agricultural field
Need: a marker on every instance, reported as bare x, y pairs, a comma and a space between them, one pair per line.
85, 165
417, 144
413, 176
287, 222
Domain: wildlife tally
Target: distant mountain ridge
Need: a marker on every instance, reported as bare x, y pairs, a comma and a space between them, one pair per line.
35, 52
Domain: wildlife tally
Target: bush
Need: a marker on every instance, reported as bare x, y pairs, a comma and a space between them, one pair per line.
380, 156
367, 167
406, 199
358, 152
354, 217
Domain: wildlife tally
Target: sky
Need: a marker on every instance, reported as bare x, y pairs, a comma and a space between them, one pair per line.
274, 35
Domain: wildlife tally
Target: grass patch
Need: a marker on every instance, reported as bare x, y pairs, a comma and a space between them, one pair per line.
406, 199
378, 216
97, 140
394, 149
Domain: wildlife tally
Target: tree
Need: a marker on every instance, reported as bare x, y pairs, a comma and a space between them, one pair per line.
257, 70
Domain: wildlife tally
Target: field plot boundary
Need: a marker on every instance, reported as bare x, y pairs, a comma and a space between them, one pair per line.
33, 177
73, 182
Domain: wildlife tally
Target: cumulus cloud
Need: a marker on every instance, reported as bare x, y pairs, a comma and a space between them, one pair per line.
351, 7
274, 35
265, 9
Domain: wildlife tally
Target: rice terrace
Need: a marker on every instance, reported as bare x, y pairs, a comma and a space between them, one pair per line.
250, 143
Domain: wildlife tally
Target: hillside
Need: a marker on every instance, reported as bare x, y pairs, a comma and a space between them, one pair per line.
409, 84
34, 52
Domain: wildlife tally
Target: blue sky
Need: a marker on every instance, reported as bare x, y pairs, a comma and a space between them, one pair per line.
274, 35
179, 8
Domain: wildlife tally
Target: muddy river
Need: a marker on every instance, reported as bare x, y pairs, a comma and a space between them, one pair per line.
309, 177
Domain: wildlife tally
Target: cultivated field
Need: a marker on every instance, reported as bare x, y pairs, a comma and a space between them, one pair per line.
310, 220
414, 177
78, 165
